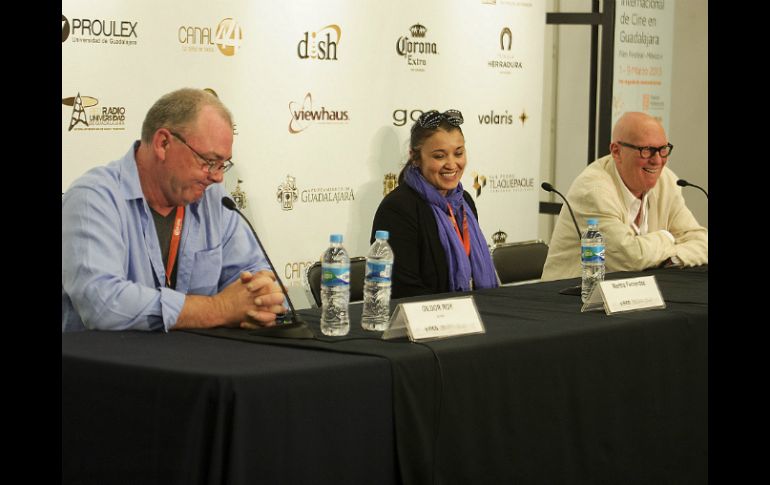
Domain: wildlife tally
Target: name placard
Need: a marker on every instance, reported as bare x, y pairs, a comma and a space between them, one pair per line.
625, 295
434, 319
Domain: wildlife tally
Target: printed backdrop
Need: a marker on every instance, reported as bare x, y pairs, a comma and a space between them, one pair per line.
644, 43
323, 95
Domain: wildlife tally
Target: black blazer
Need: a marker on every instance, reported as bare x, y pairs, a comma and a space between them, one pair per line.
419, 266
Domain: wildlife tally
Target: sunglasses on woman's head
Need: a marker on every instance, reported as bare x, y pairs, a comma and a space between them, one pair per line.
432, 118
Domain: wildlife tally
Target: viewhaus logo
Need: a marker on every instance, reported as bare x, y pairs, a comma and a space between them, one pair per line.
502, 182
98, 31
227, 37
304, 114
321, 45
87, 115
415, 49
505, 61
288, 193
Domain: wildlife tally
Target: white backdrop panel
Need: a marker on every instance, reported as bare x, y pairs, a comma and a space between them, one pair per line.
321, 96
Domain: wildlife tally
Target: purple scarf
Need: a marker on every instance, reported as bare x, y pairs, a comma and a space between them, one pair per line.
461, 268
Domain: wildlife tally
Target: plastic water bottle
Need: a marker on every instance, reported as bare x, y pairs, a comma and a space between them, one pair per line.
335, 288
592, 258
379, 269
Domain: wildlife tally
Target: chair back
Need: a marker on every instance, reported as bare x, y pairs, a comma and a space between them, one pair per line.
312, 281
519, 261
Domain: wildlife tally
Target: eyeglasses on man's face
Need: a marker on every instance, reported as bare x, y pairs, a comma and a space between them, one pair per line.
213, 166
432, 118
649, 152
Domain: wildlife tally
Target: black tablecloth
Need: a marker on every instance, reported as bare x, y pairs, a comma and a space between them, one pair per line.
179, 408
547, 395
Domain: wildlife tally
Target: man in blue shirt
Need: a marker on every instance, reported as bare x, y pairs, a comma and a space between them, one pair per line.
146, 242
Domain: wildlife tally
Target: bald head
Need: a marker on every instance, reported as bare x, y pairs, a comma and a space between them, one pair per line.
634, 124
635, 136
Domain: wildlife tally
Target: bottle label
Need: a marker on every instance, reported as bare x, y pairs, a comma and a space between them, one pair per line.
335, 276
593, 254
379, 272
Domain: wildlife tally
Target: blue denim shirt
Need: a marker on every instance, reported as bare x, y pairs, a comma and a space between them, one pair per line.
113, 275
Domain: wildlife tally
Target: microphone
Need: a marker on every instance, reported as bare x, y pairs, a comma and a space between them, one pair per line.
549, 188
297, 328
572, 290
684, 183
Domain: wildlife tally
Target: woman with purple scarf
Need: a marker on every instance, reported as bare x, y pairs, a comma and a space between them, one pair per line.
433, 224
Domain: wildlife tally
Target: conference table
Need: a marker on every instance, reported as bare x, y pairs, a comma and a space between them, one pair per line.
546, 395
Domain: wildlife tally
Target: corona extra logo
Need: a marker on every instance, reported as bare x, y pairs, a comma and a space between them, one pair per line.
418, 30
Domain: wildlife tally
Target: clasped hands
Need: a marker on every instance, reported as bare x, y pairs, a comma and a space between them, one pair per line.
260, 297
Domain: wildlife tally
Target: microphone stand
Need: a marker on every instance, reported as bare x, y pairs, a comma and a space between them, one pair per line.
297, 328
684, 183
571, 290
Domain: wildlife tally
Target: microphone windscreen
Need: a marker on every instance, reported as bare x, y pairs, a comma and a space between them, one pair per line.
682, 183
228, 202
547, 187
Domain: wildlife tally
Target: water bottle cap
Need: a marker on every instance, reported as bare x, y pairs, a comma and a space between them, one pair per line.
381, 235
335, 238
593, 221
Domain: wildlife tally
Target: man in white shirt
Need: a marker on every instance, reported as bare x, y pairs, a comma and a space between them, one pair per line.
642, 214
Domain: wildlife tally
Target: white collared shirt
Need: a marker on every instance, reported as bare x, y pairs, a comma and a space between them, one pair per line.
634, 205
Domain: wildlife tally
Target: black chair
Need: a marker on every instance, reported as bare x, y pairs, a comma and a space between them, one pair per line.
312, 281
519, 261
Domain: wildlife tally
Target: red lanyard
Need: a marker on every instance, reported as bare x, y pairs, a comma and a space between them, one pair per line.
465, 236
176, 235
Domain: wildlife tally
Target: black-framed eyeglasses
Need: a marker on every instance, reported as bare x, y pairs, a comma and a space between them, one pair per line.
213, 166
432, 118
649, 152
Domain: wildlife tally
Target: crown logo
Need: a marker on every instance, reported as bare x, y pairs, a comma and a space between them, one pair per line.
418, 30
499, 237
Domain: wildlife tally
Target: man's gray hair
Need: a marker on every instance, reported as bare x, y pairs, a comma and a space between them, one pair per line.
179, 109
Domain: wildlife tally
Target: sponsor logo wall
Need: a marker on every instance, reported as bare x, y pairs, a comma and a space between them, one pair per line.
323, 95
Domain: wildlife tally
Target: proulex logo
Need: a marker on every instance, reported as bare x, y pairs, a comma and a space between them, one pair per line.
287, 194
505, 62
415, 50
106, 118
321, 45
303, 115
228, 37
65, 28
99, 31
402, 116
